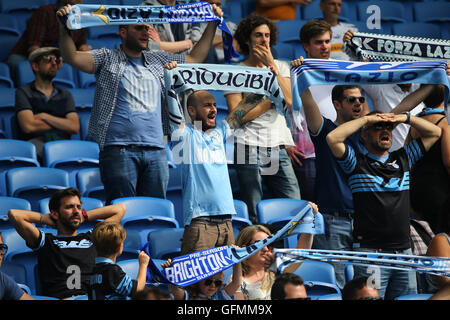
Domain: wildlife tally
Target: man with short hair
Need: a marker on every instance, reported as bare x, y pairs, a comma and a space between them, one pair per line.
360, 288
288, 286
129, 118
379, 181
65, 260
44, 111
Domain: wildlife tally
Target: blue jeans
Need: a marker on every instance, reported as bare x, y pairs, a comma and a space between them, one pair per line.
133, 171
338, 236
277, 175
392, 283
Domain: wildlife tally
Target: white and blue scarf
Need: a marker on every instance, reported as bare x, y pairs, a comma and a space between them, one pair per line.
90, 15
336, 72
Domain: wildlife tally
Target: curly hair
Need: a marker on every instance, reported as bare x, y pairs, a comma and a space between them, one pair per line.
247, 25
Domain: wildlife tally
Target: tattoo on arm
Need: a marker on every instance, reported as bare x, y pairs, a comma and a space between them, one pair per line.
249, 102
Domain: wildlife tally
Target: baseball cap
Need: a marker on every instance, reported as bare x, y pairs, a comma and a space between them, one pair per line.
42, 52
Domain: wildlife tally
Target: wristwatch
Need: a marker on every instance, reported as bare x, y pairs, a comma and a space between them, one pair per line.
408, 116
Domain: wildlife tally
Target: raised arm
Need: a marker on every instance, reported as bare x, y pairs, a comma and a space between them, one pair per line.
428, 132
79, 59
24, 222
114, 212
413, 99
246, 109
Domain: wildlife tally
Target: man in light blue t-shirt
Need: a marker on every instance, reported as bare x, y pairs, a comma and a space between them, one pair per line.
207, 197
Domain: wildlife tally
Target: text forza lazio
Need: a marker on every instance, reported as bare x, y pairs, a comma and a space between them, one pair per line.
202, 76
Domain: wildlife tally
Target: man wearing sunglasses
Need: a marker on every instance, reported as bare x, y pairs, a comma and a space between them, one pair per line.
9, 290
129, 118
44, 111
379, 181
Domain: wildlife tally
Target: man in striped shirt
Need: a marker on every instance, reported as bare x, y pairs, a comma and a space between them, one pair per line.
379, 181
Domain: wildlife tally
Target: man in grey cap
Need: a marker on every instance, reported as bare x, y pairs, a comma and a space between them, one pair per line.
45, 112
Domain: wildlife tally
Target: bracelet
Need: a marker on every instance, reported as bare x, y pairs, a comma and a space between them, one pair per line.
84, 214
408, 117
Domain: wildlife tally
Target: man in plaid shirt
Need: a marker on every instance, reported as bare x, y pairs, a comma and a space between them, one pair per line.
127, 114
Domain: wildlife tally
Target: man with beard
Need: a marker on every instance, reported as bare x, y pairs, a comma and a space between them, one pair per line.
207, 197
379, 181
45, 112
65, 260
129, 118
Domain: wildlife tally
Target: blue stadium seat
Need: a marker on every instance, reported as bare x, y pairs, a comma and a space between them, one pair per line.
390, 12
24, 73
418, 296
332, 296
71, 155
241, 219
83, 98
247, 6
7, 114
349, 272
417, 29
175, 195
319, 278
84, 125
7, 203
438, 11
5, 75
130, 267
39, 297
104, 43
165, 243
284, 51
8, 41
86, 80
107, 31
289, 30
15, 154
232, 12
221, 102
130, 2
21, 10
143, 215
65, 77
35, 183
16, 271
90, 184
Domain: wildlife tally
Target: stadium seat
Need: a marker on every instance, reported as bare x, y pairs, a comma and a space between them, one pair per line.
104, 43
391, 12
86, 80
24, 73
5, 75
418, 296
130, 267
438, 11
65, 77
7, 203
35, 183
143, 215
15, 154
247, 7
21, 10
175, 195
241, 219
107, 31
349, 272
84, 125
15, 270
71, 155
417, 29
232, 12
332, 296
8, 124
39, 297
289, 30
90, 184
284, 51
312, 11
165, 243
319, 278
83, 98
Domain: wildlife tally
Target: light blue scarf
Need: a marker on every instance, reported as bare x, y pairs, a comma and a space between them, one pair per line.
335, 72
92, 15
194, 267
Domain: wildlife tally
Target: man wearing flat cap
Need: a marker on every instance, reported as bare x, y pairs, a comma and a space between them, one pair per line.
45, 112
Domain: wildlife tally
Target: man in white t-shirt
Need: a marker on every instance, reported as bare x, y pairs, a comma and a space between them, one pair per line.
331, 9
260, 145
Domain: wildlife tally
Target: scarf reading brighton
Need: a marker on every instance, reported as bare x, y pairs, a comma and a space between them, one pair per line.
194, 267
219, 77
90, 15
335, 72
439, 266
370, 46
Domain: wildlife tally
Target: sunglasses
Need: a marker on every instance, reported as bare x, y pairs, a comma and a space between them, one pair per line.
3, 248
381, 126
49, 59
351, 99
217, 282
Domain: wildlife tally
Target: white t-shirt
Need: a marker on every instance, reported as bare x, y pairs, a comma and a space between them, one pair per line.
269, 129
336, 41
386, 97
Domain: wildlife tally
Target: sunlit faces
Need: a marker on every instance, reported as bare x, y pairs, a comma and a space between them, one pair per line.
135, 37
379, 136
319, 47
47, 66
205, 110
209, 286
351, 106
258, 257
69, 215
259, 36
331, 9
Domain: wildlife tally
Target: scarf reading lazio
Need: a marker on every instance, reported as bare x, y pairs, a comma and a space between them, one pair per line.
218, 77
92, 15
194, 267
335, 72
439, 266
370, 46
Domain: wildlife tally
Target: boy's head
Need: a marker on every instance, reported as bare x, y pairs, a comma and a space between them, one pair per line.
108, 238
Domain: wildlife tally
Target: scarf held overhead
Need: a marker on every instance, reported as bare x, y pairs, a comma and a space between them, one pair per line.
191, 268
335, 72
90, 15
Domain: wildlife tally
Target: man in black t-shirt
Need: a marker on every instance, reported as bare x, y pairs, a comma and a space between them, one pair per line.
379, 182
65, 260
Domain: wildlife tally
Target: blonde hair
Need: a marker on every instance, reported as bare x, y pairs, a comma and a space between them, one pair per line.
107, 236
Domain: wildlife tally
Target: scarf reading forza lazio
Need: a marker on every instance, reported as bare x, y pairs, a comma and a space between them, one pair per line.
439, 266
370, 46
335, 72
219, 77
90, 15
194, 267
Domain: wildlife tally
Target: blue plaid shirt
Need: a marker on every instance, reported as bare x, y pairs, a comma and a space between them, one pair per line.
109, 66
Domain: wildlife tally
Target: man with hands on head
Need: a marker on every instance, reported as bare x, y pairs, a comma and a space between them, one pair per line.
379, 181
65, 260
128, 118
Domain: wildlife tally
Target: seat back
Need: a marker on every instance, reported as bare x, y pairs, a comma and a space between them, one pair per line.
7, 203
130, 267
269, 210
241, 219
417, 29
418, 296
90, 184
165, 243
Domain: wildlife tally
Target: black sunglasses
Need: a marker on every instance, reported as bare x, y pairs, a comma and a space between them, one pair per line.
381, 126
351, 99
49, 59
3, 248
217, 282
